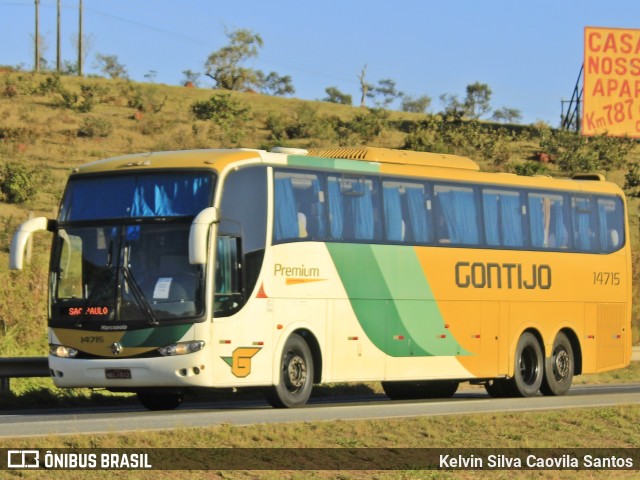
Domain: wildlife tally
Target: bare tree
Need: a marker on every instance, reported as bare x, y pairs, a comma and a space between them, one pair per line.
364, 86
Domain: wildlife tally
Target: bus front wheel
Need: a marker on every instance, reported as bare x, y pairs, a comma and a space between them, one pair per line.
559, 367
529, 367
296, 375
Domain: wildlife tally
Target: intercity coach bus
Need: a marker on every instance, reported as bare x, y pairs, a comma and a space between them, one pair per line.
284, 269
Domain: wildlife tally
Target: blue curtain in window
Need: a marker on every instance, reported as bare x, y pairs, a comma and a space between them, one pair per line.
581, 224
158, 196
418, 215
319, 210
511, 221
559, 228
460, 216
393, 214
136, 196
336, 215
604, 228
286, 213
490, 208
536, 216
363, 212
583, 233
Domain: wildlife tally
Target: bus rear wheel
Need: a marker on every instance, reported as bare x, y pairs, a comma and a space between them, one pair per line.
296, 375
155, 400
417, 390
559, 367
529, 367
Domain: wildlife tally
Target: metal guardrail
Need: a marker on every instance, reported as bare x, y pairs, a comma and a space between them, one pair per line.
21, 367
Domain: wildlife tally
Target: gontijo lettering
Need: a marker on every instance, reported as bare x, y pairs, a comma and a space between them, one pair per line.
502, 275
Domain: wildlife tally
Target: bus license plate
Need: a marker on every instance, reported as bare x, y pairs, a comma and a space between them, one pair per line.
118, 374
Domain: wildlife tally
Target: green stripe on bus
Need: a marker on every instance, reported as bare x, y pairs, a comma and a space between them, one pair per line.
332, 164
392, 300
154, 337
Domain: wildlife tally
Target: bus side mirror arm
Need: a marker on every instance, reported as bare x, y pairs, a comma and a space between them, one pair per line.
199, 235
22, 236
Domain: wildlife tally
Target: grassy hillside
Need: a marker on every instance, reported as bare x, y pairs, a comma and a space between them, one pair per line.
49, 124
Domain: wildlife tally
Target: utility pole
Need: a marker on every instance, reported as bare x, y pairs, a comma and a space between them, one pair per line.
58, 56
80, 39
36, 65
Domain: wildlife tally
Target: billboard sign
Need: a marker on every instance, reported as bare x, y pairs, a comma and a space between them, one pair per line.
611, 95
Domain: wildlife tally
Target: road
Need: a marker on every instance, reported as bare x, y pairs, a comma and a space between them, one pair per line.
247, 412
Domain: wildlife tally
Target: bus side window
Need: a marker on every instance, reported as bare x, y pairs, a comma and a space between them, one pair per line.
353, 210
584, 224
502, 218
547, 221
299, 206
611, 223
457, 220
407, 212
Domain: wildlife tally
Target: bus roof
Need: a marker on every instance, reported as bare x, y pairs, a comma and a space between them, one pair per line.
363, 159
402, 157
205, 158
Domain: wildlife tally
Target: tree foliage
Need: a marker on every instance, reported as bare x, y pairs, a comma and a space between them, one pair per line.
507, 115
111, 66
274, 84
416, 105
225, 66
336, 96
478, 99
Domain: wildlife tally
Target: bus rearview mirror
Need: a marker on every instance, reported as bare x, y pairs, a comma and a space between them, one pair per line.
199, 235
22, 236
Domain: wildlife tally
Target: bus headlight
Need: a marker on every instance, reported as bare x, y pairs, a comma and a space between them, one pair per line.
181, 348
62, 351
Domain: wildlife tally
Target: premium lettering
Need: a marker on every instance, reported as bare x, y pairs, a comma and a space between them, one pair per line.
301, 271
503, 275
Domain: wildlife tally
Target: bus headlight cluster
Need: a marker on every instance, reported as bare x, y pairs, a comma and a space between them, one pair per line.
181, 348
62, 351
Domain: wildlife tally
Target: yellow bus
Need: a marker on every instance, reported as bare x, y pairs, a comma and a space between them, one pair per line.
289, 268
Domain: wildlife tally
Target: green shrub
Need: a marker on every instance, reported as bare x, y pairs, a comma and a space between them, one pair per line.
308, 124
17, 183
469, 138
228, 116
143, 99
50, 85
574, 152
632, 178
529, 168
95, 127
370, 125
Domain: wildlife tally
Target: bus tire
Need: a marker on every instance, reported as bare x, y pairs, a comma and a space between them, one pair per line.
295, 381
558, 367
529, 367
154, 400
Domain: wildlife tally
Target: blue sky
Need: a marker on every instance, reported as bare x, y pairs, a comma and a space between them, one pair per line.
529, 53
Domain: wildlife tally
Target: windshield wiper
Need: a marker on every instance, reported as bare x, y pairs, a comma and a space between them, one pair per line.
99, 286
138, 294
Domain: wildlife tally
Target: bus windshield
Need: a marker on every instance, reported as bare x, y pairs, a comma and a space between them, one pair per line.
120, 254
136, 196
